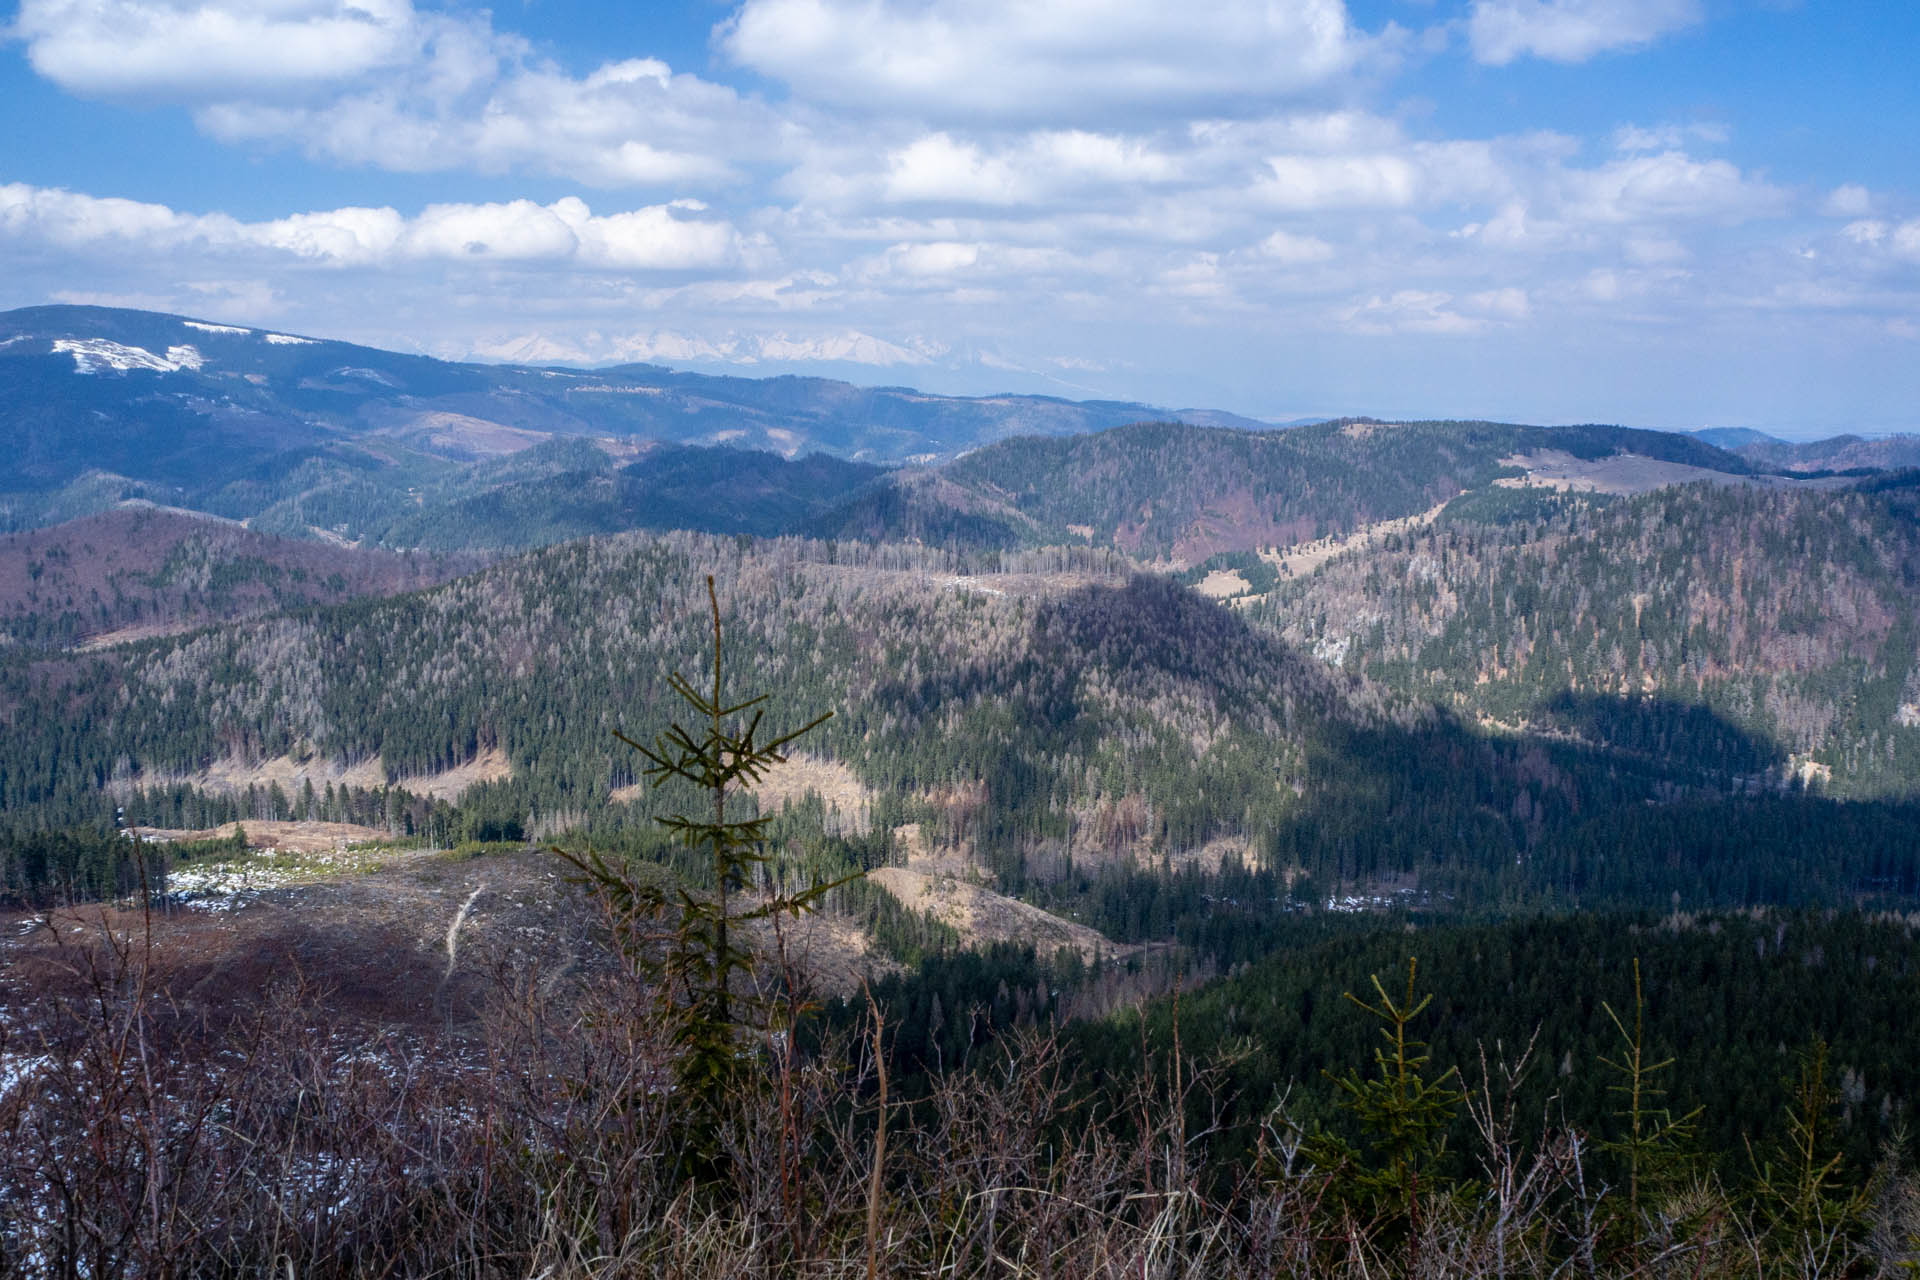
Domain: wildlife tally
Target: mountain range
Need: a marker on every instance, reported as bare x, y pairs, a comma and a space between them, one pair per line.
102, 404
1434, 657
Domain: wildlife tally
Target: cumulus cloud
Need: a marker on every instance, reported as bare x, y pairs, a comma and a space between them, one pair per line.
1003, 177
1502, 31
654, 238
1667, 137
1669, 186
1900, 240
1339, 182
1293, 250
378, 82
184, 50
1043, 165
845, 346
1502, 304
1072, 59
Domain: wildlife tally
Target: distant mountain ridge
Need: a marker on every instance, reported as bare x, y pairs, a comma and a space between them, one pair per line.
304, 437
164, 397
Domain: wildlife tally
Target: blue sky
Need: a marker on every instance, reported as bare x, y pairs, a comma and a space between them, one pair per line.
1669, 213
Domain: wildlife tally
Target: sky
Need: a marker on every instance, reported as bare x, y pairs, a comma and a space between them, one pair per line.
1663, 213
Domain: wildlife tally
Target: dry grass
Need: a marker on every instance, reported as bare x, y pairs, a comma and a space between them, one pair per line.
146, 1130
287, 837
233, 776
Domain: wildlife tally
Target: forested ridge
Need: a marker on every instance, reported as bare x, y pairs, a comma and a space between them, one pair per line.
1096, 740
163, 570
1652, 623
1549, 746
1731, 998
1160, 490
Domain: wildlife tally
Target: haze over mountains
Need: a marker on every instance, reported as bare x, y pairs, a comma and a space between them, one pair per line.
293, 431
310, 438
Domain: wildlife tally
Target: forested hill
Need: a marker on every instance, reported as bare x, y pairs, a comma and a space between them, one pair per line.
1170, 490
142, 570
1839, 453
1093, 740
1731, 1003
1653, 623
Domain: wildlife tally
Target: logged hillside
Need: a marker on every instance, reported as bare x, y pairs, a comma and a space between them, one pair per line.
1654, 623
1088, 739
1166, 490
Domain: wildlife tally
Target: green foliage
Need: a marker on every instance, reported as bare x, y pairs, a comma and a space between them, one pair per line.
1804, 1194
44, 868
1655, 1144
702, 973
1402, 1115
1071, 739
1726, 997
1259, 574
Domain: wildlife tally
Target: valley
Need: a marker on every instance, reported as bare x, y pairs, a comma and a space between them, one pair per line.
1155, 717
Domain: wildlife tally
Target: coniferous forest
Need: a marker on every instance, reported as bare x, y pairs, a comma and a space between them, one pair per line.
1521, 883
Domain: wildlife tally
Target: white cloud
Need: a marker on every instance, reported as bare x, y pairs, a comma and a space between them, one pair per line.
377, 82
1294, 250
659, 237
1502, 304
1339, 182
1671, 185
1408, 311
1065, 60
153, 48
1200, 276
1057, 166
939, 168
846, 346
1632, 138
1900, 241
1038, 178
1848, 201
939, 259
1502, 31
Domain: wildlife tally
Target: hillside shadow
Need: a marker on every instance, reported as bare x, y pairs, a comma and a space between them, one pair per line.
1627, 800
1684, 736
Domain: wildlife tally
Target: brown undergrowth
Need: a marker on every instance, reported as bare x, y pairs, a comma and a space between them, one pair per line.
141, 1137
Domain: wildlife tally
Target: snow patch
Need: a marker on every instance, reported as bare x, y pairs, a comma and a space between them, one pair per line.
288, 340
365, 375
18, 1068
90, 355
204, 327
1332, 650
966, 582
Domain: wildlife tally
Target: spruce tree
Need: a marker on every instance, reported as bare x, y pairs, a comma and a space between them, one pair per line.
701, 974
